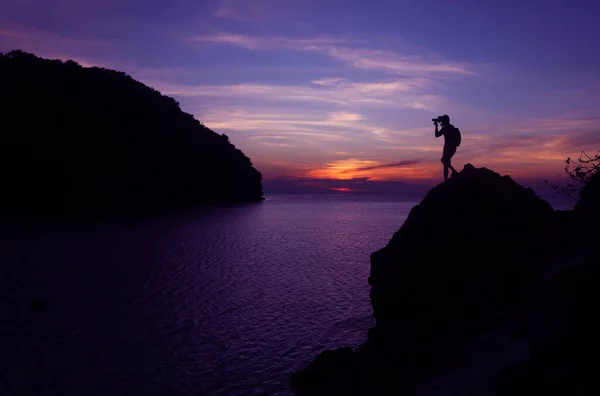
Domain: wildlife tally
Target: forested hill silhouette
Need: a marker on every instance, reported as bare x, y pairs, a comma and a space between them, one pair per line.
81, 140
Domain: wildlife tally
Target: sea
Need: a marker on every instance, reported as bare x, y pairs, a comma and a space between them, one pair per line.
227, 300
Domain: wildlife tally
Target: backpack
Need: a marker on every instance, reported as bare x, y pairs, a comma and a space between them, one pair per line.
457, 136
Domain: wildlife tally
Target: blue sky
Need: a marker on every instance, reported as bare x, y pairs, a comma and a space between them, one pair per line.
347, 89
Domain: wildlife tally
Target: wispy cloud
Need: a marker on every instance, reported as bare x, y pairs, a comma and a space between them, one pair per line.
378, 87
269, 42
344, 117
391, 165
327, 82
276, 141
391, 62
404, 93
344, 50
328, 127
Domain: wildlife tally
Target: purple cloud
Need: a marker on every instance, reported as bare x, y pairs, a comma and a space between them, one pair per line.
392, 165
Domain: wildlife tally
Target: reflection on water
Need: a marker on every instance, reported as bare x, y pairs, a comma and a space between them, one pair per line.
225, 302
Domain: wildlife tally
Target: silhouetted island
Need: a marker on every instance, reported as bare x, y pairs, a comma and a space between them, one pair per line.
81, 140
484, 290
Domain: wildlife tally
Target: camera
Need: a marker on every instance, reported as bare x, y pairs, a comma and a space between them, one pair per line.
441, 119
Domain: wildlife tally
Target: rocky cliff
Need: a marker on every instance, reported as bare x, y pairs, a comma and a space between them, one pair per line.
482, 291
93, 140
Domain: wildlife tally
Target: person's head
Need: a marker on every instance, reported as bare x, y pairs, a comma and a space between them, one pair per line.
444, 120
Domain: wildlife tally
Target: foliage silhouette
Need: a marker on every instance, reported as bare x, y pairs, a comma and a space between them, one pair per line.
85, 140
579, 172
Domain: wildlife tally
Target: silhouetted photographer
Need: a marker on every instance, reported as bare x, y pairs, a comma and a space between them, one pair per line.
451, 142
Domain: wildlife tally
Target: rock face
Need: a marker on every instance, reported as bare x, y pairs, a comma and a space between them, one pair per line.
588, 207
470, 263
83, 140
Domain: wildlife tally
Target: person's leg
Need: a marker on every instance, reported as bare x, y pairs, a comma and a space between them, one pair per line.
447, 154
449, 161
451, 167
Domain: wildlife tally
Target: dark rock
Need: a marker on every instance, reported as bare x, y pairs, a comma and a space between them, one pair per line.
464, 284
81, 140
565, 346
588, 207
328, 374
471, 244
39, 306
566, 349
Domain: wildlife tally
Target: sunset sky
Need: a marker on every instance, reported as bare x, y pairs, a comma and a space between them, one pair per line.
346, 89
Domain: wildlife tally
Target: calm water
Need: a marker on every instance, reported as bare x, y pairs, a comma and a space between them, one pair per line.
227, 302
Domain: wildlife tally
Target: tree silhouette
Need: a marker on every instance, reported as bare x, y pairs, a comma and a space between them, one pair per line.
78, 139
579, 172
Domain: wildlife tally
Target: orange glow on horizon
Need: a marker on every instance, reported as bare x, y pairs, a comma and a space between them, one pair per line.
341, 189
373, 170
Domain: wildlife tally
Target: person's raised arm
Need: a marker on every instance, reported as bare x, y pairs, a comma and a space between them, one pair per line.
438, 133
